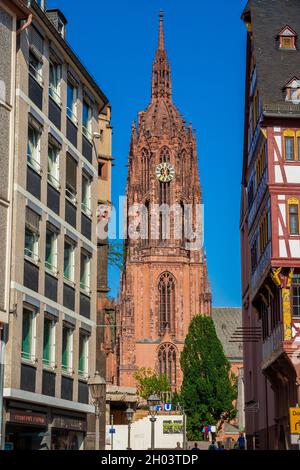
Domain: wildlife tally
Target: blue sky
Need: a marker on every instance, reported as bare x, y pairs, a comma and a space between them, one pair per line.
116, 41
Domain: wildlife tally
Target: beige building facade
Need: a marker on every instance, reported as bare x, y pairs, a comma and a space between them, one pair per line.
50, 347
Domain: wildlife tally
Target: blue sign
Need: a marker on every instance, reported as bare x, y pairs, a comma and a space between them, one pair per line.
158, 408
168, 406
112, 431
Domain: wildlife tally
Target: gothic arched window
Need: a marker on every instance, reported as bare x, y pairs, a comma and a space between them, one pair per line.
145, 170
166, 287
164, 155
167, 362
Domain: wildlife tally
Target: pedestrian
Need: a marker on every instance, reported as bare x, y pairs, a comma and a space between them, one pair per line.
241, 442
178, 446
220, 446
212, 446
195, 448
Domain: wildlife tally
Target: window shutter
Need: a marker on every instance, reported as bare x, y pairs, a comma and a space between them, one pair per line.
71, 173
32, 220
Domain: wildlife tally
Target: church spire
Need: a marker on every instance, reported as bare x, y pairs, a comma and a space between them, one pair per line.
161, 73
161, 39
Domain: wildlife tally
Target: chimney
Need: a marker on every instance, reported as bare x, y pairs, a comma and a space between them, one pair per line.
59, 21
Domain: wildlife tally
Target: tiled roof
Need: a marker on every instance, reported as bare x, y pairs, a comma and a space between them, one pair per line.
275, 67
227, 321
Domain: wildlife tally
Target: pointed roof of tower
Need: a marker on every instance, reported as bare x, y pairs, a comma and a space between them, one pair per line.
161, 38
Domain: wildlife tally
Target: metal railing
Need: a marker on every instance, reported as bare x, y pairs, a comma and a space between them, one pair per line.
54, 181
71, 115
53, 93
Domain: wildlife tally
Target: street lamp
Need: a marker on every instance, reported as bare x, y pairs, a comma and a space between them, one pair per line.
153, 401
97, 386
129, 416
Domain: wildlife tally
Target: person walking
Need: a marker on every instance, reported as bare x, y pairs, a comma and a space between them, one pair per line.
241, 442
212, 446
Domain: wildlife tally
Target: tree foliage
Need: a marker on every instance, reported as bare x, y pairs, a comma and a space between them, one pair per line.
116, 255
207, 391
149, 382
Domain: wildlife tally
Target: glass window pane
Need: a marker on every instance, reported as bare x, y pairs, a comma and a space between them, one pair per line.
47, 341
294, 219
27, 334
66, 348
289, 148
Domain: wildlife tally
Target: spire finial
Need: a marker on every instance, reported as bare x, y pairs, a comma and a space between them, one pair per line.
161, 41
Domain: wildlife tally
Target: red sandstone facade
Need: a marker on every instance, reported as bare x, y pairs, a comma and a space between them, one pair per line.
164, 284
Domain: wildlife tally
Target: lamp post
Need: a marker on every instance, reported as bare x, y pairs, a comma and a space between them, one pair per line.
97, 386
129, 416
153, 401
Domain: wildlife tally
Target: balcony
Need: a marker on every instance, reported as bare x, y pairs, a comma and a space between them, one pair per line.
272, 346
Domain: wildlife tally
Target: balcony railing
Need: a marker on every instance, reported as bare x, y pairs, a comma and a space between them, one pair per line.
264, 261
281, 109
257, 198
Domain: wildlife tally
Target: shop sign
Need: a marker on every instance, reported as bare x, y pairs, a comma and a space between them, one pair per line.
69, 423
295, 420
27, 418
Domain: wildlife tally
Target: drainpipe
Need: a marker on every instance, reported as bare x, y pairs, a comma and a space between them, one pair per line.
2, 355
25, 25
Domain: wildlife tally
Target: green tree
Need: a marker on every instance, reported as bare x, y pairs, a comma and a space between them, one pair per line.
149, 382
116, 255
207, 391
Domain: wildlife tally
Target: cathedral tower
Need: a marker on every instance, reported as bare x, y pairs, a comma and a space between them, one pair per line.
165, 282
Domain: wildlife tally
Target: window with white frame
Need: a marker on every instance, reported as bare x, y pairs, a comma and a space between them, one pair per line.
86, 195
49, 342
72, 93
31, 248
33, 148
71, 179
53, 165
87, 120
69, 259
28, 335
54, 81
83, 355
85, 271
51, 251
67, 349
35, 67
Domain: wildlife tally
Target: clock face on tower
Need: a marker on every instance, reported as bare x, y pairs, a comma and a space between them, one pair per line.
165, 172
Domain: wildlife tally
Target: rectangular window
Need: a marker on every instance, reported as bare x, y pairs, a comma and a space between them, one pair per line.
31, 244
289, 148
287, 42
51, 251
86, 195
296, 295
72, 102
85, 266
83, 355
28, 335
49, 342
66, 358
294, 219
71, 178
53, 165
69, 251
54, 81
87, 120
33, 148
31, 248
35, 67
